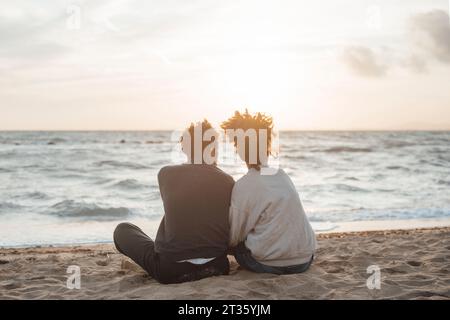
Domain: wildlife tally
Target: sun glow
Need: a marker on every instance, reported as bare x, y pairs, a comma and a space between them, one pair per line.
257, 80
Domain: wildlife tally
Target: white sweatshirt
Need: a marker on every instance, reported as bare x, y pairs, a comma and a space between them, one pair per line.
267, 213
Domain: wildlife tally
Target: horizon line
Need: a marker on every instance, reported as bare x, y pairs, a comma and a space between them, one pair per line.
281, 130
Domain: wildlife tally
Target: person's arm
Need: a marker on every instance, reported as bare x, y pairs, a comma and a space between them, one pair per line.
243, 216
238, 221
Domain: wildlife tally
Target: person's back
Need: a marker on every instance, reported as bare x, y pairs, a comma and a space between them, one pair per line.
192, 239
276, 229
269, 231
196, 201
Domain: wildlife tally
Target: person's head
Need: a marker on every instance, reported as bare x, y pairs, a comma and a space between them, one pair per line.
199, 142
252, 137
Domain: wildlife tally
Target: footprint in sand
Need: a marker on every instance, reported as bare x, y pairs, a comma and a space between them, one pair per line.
104, 262
414, 263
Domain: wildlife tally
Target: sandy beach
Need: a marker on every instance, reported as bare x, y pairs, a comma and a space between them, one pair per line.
414, 264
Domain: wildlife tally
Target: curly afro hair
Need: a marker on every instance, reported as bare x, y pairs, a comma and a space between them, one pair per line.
245, 121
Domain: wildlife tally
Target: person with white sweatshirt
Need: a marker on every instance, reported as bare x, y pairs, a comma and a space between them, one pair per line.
269, 230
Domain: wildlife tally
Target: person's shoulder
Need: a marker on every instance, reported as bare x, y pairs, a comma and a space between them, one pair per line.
246, 181
248, 188
281, 173
257, 179
273, 172
168, 170
200, 169
228, 178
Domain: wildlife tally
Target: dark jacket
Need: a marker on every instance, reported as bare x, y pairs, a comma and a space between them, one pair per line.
196, 201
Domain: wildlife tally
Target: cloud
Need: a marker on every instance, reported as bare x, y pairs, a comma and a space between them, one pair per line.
23, 32
415, 63
430, 35
431, 32
363, 61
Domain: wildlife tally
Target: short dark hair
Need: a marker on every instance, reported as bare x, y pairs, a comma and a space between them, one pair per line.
190, 133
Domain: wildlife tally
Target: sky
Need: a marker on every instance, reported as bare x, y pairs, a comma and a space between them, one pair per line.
150, 65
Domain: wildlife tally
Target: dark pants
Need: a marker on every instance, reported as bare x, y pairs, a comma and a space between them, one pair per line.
135, 244
245, 259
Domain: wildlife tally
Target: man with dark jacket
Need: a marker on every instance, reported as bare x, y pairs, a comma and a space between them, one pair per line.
193, 236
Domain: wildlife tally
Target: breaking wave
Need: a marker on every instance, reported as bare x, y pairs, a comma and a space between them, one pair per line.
346, 149
129, 184
120, 164
70, 208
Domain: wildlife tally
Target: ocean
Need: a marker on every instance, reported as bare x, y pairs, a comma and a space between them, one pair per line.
74, 187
